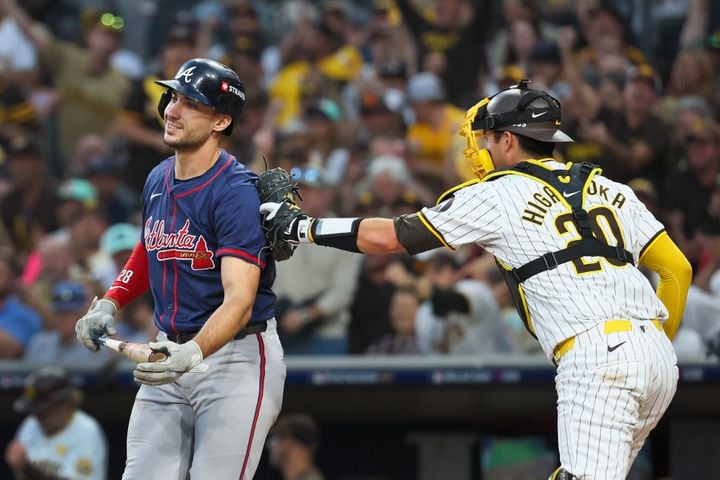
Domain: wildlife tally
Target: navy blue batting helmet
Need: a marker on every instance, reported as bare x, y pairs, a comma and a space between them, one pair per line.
209, 83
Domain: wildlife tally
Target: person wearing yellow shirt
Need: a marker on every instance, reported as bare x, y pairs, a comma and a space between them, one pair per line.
320, 52
433, 137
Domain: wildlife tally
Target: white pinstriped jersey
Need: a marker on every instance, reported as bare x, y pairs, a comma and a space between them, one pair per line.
518, 219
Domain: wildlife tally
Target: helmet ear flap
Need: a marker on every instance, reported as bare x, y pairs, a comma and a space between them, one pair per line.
163, 103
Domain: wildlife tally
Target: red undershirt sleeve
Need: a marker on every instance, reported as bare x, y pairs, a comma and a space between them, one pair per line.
133, 280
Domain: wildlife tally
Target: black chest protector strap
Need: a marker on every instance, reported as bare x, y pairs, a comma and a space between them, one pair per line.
588, 245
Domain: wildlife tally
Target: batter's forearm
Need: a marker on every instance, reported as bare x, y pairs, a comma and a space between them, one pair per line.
223, 325
240, 281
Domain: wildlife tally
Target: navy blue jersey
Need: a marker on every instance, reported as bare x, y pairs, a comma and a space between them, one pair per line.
189, 225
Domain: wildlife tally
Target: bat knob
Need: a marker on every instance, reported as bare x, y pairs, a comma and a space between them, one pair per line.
158, 355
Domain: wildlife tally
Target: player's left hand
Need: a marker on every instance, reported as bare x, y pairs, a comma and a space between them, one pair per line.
181, 358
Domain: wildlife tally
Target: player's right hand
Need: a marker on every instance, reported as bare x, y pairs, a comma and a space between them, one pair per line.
98, 321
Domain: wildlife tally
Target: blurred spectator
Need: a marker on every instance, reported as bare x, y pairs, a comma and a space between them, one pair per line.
75, 195
18, 322
88, 148
56, 439
326, 150
336, 15
700, 328
546, 70
688, 190
28, 211
92, 90
377, 118
403, 309
115, 200
51, 262
93, 266
239, 29
514, 336
324, 64
370, 310
628, 143
692, 73
313, 310
70, 301
458, 316
18, 56
607, 50
292, 444
118, 241
433, 136
682, 116
513, 12
386, 40
18, 115
139, 122
389, 189
523, 36
5, 245
456, 29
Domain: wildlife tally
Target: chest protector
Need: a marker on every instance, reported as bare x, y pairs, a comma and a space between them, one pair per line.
575, 180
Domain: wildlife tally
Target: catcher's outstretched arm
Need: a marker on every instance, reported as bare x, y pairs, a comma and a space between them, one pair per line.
367, 235
286, 225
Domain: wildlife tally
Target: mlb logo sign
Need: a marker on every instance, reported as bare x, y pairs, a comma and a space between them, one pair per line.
224, 86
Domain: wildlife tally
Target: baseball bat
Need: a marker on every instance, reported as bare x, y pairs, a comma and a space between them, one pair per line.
141, 352
137, 352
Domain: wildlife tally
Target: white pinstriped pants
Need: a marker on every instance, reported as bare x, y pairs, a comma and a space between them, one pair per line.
609, 401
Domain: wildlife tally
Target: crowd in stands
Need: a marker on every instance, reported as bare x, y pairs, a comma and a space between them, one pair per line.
362, 102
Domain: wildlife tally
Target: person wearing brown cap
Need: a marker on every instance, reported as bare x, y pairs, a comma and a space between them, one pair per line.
292, 444
56, 439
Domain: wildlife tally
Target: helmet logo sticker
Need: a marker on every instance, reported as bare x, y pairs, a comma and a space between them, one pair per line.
539, 114
226, 87
186, 74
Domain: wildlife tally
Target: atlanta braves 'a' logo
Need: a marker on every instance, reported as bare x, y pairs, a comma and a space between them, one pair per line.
178, 246
186, 74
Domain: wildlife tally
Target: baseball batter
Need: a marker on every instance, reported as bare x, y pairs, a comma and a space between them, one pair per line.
203, 256
568, 241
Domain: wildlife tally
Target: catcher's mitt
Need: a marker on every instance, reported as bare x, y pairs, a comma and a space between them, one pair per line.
276, 186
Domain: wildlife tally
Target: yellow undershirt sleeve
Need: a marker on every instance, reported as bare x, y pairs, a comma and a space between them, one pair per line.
665, 258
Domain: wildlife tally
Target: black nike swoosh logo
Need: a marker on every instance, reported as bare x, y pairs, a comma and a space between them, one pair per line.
612, 349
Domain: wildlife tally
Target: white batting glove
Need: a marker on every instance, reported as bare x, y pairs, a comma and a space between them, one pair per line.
181, 358
97, 322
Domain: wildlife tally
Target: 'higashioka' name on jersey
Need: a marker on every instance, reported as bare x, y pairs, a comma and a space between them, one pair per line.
180, 245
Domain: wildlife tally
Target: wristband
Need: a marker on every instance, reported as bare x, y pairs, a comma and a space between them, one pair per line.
340, 233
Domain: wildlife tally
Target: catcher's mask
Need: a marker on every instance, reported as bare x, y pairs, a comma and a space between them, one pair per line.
209, 83
518, 109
